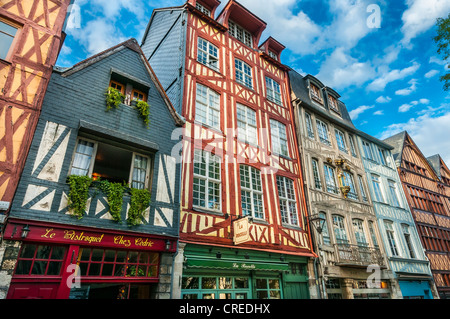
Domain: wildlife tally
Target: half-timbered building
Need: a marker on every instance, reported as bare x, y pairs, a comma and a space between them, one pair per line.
406, 256
31, 35
242, 227
81, 225
425, 183
342, 217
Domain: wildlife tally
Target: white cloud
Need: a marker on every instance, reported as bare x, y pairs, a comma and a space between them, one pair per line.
420, 16
405, 108
340, 70
98, 35
382, 80
303, 35
431, 73
409, 90
383, 99
354, 114
427, 132
379, 112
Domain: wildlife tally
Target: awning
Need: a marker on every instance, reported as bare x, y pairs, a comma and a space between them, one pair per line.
220, 264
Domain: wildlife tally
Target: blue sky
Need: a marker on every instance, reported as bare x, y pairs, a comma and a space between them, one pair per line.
386, 70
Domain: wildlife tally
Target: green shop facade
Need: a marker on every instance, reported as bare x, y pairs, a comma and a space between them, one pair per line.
214, 272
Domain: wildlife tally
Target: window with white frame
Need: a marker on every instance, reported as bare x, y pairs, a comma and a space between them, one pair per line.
340, 139
315, 93
240, 33
207, 107
382, 156
8, 32
251, 192
202, 9
391, 237
273, 91
309, 125
349, 181
322, 129
358, 228
273, 55
207, 54
103, 161
246, 122
409, 245
339, 229
316, 175
279, 138
362, 188
288, 201
333, 103
330, 179
372, 234
207, 181
367, 151
394, 193
352, 145
243, 73
325, 232
376, 183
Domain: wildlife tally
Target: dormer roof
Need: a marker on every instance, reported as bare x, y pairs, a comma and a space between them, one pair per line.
243, 17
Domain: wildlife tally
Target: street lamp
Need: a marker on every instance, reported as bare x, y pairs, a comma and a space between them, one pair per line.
318, 222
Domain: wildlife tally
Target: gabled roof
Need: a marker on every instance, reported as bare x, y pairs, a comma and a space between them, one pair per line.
398, 141
438, 164
299, 86
133, 45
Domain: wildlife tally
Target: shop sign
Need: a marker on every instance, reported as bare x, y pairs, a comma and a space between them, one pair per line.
79, 237
241, 231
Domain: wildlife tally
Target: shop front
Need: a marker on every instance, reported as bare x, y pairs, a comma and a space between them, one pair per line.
65, 262
212, 272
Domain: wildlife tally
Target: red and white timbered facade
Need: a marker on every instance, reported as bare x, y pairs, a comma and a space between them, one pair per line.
238, 119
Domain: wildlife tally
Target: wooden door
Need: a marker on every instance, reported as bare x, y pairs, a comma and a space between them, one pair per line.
33, 291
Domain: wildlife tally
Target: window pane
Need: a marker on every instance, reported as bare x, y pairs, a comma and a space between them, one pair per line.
190, 283
7, 34
209, 283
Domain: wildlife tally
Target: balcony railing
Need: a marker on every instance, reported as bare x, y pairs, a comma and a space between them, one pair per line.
359, 255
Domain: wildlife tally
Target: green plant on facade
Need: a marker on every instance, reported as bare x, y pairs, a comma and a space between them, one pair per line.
78, 194
114, 193
144, 111
139, 202
113, 98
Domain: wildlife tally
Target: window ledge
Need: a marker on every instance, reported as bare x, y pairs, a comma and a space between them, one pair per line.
211, 68
207, 211
294, 227
206, 126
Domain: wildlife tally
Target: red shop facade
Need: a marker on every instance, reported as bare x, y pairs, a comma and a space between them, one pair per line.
72, 262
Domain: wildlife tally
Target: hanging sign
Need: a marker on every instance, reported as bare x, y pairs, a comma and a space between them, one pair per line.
241, 231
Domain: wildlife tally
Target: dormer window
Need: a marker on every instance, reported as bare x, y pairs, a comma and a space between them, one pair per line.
332, 101
273, 55
131, 90
202, 9
240, 33
138, 95
315, 93
118, 86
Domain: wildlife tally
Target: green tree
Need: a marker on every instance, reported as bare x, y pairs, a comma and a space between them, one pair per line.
443, 41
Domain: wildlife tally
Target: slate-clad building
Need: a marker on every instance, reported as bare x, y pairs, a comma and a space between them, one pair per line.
426, 185
31, 35
243, 232
342, 217
108, 248
406, 256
